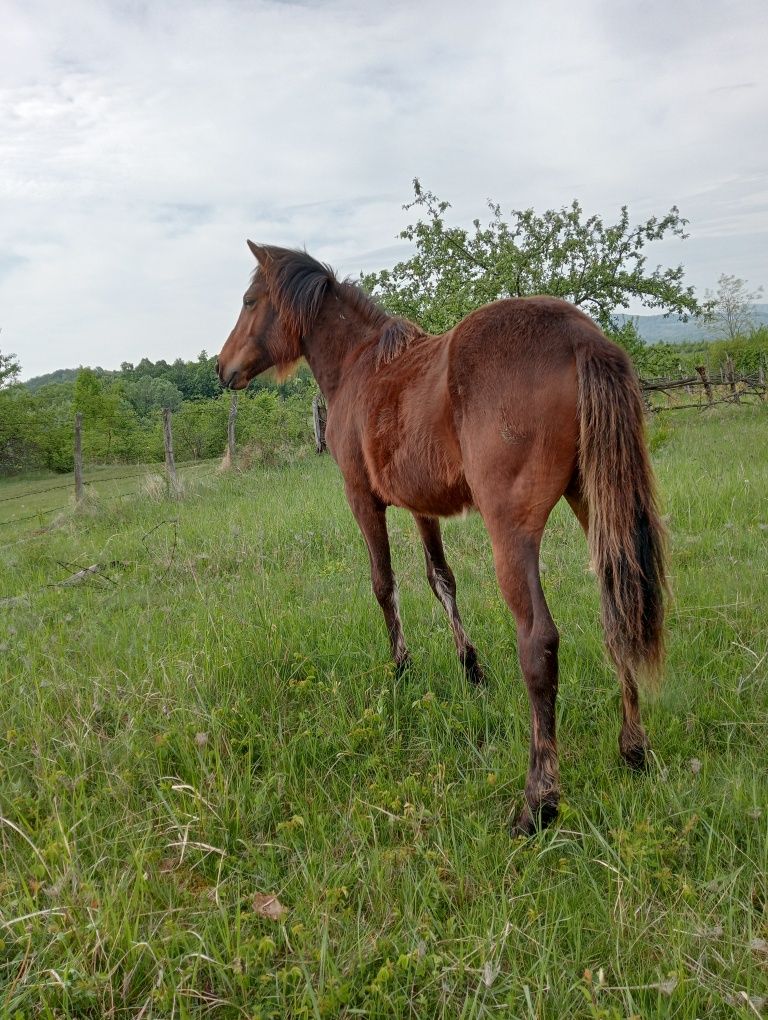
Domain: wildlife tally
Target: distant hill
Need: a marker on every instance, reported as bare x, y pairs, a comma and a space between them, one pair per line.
656, 329
59, 376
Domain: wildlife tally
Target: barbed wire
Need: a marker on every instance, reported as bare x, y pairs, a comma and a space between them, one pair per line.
113, 478
93, 481
29, 517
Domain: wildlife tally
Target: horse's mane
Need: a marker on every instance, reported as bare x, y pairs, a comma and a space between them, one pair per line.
298, 285
395, 337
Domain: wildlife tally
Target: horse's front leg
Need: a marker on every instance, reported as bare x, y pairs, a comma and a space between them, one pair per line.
370, 514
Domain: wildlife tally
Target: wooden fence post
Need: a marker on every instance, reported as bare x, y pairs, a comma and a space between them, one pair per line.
761, 370
729, 369
79, 487
231, 430
319, 416
171, 477
702, 370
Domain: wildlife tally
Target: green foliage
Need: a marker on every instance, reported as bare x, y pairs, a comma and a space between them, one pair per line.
110, 424
194, 380
200, 428
18, 428
597, 266
61, 375
9, 369
36, 429
270, 427
747, 352
147, 394
656, 360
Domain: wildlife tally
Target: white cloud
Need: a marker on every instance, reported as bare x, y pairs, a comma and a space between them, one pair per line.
140, 144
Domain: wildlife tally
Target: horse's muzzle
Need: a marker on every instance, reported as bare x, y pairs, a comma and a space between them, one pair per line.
226, 378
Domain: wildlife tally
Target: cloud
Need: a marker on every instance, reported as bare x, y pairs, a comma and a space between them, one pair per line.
141, 143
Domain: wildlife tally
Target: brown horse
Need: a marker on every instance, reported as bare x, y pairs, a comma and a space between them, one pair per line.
524, 401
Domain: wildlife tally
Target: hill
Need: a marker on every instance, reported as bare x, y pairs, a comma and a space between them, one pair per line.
658, 329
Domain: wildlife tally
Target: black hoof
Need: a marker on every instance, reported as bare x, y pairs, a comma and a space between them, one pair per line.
529, 822
636, 758
472, 669
402, 667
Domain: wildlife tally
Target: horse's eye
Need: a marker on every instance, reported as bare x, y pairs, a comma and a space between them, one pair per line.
248, 302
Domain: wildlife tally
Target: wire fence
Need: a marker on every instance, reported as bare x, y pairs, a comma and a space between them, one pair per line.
91, 481
728, 388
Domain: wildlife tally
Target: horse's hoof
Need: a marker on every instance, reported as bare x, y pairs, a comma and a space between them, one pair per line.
636, 758
472, 669
529, 822
402, 667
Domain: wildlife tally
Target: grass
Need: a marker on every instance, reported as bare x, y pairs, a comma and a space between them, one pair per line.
217, 719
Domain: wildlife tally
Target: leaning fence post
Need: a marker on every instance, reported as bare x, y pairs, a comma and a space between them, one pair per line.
319, 416
702, 370
171, 477
79, 487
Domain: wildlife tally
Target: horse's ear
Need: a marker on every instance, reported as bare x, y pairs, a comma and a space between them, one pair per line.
259, 252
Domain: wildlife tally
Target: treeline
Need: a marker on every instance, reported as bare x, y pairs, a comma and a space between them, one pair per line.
122, 415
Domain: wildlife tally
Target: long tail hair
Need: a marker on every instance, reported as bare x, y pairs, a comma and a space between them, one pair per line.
627, 540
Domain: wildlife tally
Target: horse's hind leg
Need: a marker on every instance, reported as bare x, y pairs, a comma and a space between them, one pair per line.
370, 515
516, 558
633, 742
443, 584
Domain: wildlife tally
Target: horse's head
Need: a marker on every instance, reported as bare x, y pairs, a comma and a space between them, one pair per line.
259, 340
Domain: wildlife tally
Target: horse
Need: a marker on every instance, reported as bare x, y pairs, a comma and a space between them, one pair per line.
523, 402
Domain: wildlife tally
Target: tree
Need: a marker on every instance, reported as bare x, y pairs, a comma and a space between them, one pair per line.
109, 421
729, 312
147, 395
601, 268
200, 428
9, 369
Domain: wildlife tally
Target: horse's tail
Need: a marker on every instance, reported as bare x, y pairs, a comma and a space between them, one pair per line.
627, 541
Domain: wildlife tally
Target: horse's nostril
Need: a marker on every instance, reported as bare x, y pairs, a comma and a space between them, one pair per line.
228, 378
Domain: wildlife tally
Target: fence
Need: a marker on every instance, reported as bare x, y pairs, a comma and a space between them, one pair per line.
80, 482
700, 391
173, 486
726, 387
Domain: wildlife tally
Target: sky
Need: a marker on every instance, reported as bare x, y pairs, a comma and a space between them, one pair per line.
141, 143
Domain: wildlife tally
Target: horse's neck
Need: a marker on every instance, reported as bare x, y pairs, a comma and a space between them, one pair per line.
337, 329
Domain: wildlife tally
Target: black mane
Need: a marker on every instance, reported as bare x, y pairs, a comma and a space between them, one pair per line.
299, 284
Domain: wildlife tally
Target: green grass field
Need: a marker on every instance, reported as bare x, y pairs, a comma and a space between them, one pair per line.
214, 720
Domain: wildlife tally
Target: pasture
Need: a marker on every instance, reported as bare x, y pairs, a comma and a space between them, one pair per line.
213, 721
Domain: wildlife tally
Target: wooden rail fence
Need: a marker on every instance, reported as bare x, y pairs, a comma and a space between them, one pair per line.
727, 387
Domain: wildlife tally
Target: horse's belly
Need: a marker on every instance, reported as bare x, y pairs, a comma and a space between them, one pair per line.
410, 444
424, 479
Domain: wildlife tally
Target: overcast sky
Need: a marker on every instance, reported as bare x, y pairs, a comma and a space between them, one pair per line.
142, 142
